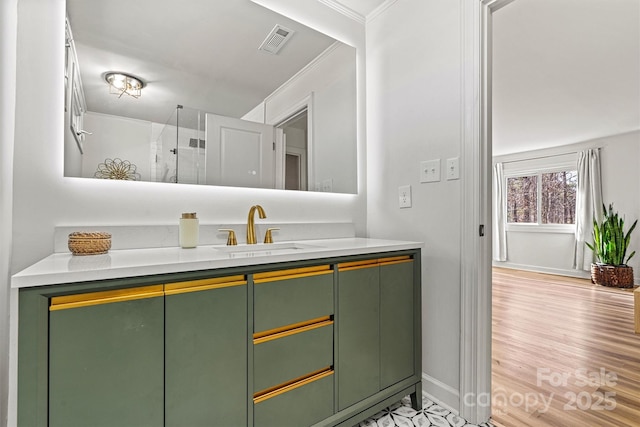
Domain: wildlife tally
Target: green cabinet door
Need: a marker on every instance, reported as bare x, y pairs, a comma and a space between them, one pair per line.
206, 353
358, 334
397, 332
106, 359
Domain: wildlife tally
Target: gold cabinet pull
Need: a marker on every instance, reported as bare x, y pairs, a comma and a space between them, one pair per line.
104, 297
356, 265
395, 260
285, 331
204, 284
291, 385
293, 273
376, 262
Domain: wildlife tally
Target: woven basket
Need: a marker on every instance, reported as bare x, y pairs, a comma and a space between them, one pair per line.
92, 243
620, 276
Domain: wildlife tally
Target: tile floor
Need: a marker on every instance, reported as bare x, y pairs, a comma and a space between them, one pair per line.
403, 415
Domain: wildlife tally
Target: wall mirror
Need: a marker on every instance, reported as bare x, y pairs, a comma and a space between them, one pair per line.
232, 94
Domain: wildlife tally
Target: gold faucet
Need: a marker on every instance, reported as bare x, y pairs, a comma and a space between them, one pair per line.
251, 230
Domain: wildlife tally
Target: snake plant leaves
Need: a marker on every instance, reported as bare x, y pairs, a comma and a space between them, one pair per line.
610, 242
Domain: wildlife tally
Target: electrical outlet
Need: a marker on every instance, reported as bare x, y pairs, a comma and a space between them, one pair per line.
430, 171
404, 196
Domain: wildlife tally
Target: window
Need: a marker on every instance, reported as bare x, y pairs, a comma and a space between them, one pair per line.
542, 198
522, 199
558, 203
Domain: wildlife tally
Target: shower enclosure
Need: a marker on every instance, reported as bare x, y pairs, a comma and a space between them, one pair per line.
196, 147
178, 152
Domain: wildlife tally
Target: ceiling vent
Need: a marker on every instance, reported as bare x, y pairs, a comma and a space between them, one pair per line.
276, 39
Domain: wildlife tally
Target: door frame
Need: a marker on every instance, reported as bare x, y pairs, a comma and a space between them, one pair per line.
475, 296
292, 110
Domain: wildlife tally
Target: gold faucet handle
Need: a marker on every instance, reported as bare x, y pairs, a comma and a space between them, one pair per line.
268, 238
231, 240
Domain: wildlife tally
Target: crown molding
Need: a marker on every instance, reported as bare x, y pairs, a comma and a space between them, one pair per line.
380, 9
344, 10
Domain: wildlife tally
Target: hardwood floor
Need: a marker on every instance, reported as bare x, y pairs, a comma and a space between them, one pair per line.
564, 352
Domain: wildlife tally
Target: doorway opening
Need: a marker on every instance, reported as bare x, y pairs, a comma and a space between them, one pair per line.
533, 341
296, 150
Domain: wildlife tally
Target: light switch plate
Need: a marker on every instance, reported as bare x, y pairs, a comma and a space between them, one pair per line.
453, 168
430, 171
404, 196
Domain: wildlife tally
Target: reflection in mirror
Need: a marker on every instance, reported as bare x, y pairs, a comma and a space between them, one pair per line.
213, 109
295, 135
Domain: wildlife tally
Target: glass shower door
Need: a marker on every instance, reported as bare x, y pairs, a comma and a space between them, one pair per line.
179, 149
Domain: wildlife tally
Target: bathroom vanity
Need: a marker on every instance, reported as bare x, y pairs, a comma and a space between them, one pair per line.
323, 332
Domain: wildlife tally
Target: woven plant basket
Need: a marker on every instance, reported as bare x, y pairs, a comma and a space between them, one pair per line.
620, 276
93, 243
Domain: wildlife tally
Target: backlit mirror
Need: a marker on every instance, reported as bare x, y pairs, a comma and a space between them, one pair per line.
213, 92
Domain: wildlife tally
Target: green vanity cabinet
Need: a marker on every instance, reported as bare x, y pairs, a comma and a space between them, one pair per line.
321, 342
206, 352
377, 327
106, 358
293, 346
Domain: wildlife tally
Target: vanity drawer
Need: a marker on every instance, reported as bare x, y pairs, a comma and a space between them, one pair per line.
291, 354
303, 403
291, 296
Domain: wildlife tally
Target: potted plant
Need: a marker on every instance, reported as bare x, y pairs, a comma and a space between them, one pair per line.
610, 245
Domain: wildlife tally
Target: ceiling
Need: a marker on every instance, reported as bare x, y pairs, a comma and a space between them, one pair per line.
564, 71
203, 56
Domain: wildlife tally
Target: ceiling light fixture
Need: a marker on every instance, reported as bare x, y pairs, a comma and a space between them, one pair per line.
121, 83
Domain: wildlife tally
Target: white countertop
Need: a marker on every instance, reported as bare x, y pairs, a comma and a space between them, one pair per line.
66, 268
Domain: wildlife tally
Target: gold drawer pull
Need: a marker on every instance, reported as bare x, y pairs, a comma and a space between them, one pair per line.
104, 297
293, 273
204, 284
356, 265
288, 330
368, 263
291, 385
395, 260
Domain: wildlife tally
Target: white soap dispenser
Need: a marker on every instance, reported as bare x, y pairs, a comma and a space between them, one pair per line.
189, 225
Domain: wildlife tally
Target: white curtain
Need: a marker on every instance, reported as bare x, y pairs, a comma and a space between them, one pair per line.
588, 206
499, 221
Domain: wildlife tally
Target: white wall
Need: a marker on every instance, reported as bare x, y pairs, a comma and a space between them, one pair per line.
8, 23
621, 184
553, 252
414, 113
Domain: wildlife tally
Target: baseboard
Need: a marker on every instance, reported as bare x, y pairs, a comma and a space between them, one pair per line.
548, 270
441, 393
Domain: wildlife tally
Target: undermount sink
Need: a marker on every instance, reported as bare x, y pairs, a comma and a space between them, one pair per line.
264, 248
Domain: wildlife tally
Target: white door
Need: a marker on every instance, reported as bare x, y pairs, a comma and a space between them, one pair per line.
239, 153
